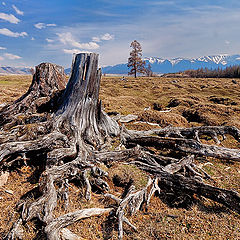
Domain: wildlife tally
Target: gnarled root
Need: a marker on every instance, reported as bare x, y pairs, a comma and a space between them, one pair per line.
53, 228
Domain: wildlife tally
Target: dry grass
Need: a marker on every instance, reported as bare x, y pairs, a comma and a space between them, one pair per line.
192, 102
14, 86
19, 184
191, 98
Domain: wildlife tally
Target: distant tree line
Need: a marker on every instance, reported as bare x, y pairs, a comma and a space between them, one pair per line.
228, 72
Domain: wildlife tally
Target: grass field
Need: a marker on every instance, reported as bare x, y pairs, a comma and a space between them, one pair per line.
166, 101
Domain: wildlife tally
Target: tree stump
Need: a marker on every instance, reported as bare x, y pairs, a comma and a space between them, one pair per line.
71, 134
48, 83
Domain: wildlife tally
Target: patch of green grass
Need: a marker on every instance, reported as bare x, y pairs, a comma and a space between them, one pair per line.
127, 172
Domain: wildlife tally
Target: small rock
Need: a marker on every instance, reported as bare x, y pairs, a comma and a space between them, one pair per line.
234, 81
4, 178
147, 108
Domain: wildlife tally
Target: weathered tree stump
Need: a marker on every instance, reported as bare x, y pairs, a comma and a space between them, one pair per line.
72, 134
47, 85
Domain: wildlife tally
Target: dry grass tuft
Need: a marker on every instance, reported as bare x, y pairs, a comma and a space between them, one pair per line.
164, 119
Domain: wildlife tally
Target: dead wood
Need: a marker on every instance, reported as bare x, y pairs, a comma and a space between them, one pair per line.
53, 228
72, 136
42, 96
191, 133
186, 145
180, 177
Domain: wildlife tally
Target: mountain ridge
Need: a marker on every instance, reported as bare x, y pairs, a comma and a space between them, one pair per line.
159, 65
6, 70
173, 65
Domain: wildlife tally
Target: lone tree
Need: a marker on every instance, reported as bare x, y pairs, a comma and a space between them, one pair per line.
135, 62
63, 130
149, 72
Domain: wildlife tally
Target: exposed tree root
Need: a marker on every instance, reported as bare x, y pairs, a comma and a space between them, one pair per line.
193, 133
133, 201
53, 228
182, 178
184, 145
73, 138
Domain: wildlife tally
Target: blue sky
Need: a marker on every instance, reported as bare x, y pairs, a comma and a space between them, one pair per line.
32, 32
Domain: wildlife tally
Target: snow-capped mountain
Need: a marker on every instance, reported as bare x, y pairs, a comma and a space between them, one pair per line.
160, 65
14, 70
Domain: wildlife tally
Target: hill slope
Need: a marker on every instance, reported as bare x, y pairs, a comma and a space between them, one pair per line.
14, 70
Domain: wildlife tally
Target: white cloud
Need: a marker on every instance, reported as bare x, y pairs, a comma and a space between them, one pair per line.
67, 39
44, 25
12, 56
17, 10
227, 42
7, 32
9, 17
39, 25
105, 37
1, 58
161, 3
51, 25
3, 3
71, 51
2, 48
96, 39
49, 40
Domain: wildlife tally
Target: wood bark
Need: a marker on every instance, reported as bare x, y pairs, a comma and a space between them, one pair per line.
74, 135
49, 81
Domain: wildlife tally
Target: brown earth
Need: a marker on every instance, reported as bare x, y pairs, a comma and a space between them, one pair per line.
181, 102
